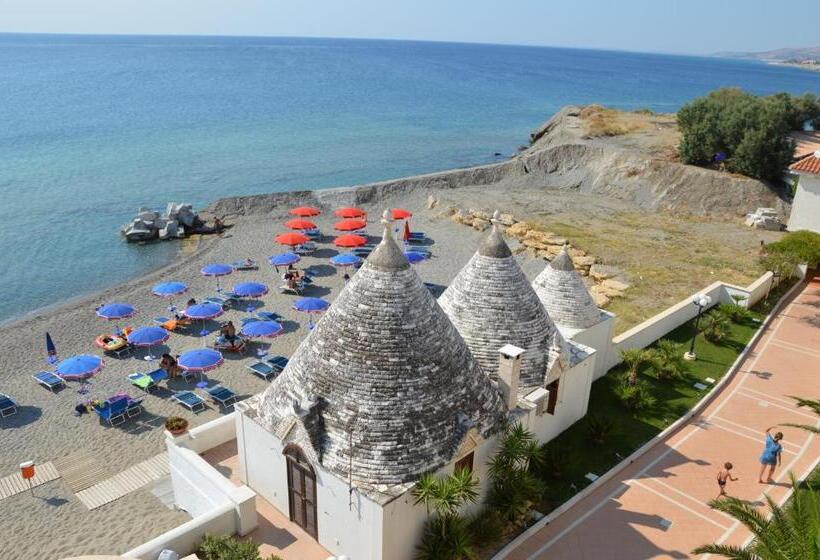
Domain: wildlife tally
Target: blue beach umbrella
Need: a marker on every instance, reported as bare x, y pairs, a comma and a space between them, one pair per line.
250, 289
114, 311
203, 311
51, 350
311, 305
148, 336
414, 257
203, 359
284, 259
216, 270
82, 366
262, 329
169, 289
345, 259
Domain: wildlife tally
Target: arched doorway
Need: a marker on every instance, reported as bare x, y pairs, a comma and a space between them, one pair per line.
301, 489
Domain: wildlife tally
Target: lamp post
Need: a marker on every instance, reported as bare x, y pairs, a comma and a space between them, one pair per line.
701, 302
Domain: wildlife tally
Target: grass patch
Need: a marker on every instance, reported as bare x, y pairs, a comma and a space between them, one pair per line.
674, 399
601, 121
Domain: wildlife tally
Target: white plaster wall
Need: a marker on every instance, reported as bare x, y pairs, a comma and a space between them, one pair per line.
806, 205
599, 337
212, 434
198, 487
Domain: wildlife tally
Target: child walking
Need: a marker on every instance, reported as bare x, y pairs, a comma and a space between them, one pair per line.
723, 477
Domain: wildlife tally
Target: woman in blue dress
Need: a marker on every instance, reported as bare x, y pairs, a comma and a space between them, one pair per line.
771, 454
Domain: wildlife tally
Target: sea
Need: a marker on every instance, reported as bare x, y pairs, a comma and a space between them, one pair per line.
93, 127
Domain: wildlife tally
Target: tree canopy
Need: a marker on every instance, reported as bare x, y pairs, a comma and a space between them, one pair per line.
796, 247
749, 132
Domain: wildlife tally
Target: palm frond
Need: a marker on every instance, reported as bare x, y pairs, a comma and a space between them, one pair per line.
731, 552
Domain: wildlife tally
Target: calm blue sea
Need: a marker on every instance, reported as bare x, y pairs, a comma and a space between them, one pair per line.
93, 127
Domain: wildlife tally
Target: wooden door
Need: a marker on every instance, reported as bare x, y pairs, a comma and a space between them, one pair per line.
302, 496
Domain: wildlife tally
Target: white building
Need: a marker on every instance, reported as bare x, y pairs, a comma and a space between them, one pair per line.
806, 204
385, 389
568, 302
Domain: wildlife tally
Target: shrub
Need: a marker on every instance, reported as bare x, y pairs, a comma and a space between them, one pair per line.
486, 527
634, 397
514, 487
715, 326
555, 459
797, 247
599, 429
445, 533
735, 312
446, 538
667, 360
174, 423
633, 359
227, 547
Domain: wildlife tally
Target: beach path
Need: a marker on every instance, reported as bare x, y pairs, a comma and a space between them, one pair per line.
657, 507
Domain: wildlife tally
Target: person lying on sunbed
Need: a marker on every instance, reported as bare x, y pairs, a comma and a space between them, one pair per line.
170, 365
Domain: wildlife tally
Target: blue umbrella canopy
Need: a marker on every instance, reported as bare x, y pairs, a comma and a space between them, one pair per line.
148, 336
414, 257
250, 289
284, 259
169, 289
216, 269
262, 329
203, 359
345, 259
203, 311
310, 305
116, 311
79, 367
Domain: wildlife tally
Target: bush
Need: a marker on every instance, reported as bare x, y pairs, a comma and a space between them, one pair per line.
486, 527
667, 360
226, 547
797, 247
514, 488
599, 429
634, 397
735, 312
715, 326
174, 423
555, 460
633, 359
446, 538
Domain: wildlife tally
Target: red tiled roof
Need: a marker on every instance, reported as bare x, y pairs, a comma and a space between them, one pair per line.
809, 164
805, 143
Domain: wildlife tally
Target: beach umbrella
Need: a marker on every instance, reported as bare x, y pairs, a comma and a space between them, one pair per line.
284, 259
114, 311
291, 238
311, 305
349, 212
345, 259
202, 359
349, 225
250, 289
305, 211
262, 329
400, 214
169, 289
203, 311
148, 336
414, 257
79, 367
350, 240
216, 270
51, 350
299, 223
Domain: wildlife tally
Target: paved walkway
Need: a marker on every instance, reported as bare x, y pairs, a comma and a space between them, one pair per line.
656, 508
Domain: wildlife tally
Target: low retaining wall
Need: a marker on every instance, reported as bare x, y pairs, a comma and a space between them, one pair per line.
635, 455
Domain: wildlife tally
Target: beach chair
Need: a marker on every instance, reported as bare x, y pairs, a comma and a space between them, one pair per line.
263, 370
113, 412
277, 362
7, 406
49, 380
314, 234
305, 248
133, 408
249, 264
189, 400
148, 381
269, 316
221, 395
171, 323
298, 289
362, 252
224, 345
418, 235
225, 299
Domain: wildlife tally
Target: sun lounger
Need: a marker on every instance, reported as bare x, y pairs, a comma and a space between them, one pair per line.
224, 345
263, 370
221, 395
245, 265
268, 316
313, 233
7, 406
49, 380
300, 286
189, 400
416, 235
362, 252
224, 300
148, 381
277, 362
305, 248
113, 412
172, 323
134, 408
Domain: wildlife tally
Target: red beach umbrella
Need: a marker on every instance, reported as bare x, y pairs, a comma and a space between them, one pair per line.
350, 240
350, 212
401, 214
305, 211
291, 238
299, 223
350, 225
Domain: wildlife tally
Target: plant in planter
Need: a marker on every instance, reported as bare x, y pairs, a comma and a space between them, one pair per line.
176, 425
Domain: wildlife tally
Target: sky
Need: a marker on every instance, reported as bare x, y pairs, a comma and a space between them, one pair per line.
670, 26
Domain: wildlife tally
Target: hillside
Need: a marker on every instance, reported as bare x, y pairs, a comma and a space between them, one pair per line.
777, 55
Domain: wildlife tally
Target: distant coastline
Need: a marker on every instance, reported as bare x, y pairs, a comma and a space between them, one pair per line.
810, 66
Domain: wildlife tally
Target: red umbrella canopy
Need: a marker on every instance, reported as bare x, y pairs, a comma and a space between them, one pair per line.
305, 211
350, 240
350, 225
299, 223
291, 238
350, 212
401, 214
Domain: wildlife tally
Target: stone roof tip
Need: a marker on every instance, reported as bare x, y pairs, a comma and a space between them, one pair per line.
494, 245
388, 255
562, 260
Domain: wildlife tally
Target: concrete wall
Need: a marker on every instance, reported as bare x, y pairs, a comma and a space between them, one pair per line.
198, 487
212, 434
806, 205
599, 337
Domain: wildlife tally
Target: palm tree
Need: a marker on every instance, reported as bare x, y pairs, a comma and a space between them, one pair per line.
789, 533
515, 487
667, 360
633, 359
814, 406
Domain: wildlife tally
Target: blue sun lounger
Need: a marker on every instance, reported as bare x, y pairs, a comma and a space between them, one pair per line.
263, 370
113, 412
269, 316
7, 406
189, 400
221, 395
277, 362
49, 380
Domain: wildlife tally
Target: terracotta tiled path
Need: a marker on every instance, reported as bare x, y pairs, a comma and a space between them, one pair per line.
656, 508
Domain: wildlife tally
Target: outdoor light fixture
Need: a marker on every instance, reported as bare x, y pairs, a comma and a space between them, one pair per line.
700, 301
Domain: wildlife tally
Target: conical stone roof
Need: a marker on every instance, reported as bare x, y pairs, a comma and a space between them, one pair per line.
564, 294
492, 303
385, 365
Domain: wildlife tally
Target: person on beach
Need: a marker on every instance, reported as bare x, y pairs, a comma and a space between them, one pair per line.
228, 333
771, 455
170, 365
723, 477
191, 302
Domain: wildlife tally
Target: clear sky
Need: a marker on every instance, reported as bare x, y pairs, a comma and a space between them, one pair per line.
679, 26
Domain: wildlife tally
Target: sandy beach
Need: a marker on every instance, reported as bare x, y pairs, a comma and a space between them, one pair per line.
54, 524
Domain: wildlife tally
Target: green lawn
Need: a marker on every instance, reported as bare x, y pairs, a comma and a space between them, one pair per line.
674, 399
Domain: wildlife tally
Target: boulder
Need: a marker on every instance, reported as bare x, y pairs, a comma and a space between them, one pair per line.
585, 261
480, 224
518, 230
432, 202
447, 212
600, 272
507, 219
458, 216
618, 285
600, 299
480, 214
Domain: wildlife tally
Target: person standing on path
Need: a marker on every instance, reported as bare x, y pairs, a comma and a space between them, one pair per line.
723, 477
771, 455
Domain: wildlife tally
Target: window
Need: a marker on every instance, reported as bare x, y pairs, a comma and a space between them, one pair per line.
465, 462
553, 398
